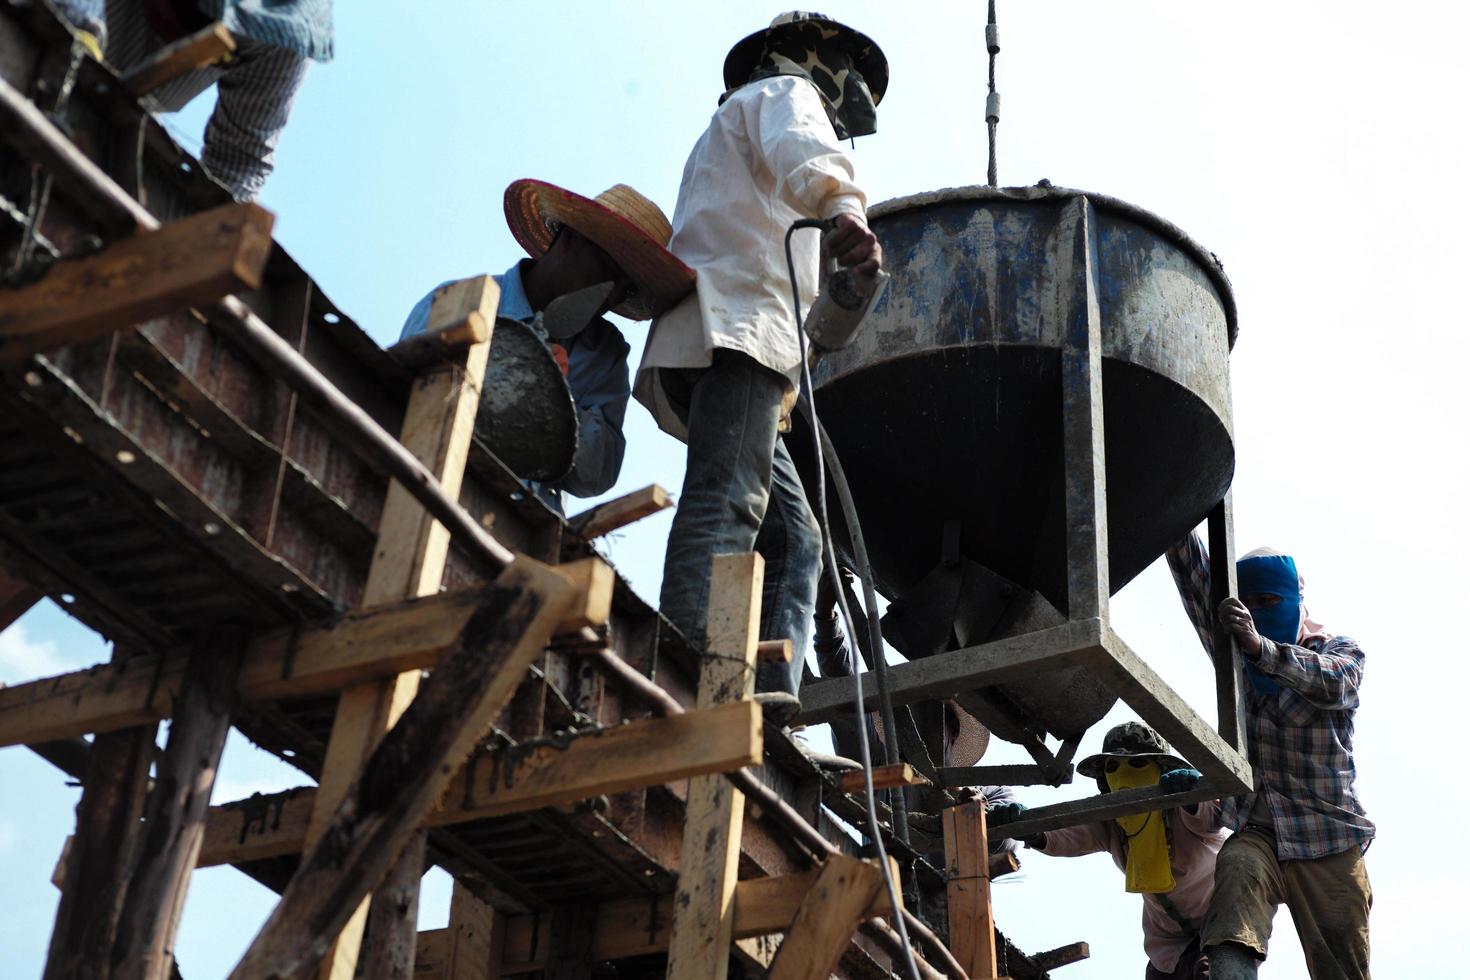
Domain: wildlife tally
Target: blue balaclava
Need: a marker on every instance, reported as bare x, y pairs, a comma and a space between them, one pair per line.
1271, 575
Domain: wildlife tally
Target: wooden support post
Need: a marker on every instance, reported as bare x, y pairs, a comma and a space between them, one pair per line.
828, 917
198, 50
569, 944
971, 922
613, 514
108, 827
709, 854
394, 910
475, 940
1082, 413
408, 561
192, 262
410, 770
177, 808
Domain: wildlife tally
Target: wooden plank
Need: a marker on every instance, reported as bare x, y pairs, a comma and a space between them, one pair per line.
409, 771
884, 777
1061, 956
640, 927
475, 938
108, 828
192, 262
709, 853
967, 859
177, 808
364, 645
203, 47
409, 561
827, 918
620, 512
774, 651
649, 752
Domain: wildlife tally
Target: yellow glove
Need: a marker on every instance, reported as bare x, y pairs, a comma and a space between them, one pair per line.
88, 40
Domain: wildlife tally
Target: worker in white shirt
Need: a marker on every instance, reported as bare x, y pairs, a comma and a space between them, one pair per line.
721, 369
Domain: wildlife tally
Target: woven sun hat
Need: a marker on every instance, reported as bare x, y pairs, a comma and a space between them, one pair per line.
629, 227
867, 57
970, 741
1131, 740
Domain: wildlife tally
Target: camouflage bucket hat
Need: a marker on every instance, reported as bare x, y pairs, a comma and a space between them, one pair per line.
1131, 740
867, 57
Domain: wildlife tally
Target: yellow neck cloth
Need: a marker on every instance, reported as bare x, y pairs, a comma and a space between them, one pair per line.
1147, 870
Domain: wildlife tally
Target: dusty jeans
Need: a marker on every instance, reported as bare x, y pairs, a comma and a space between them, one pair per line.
741, 493
1329, 898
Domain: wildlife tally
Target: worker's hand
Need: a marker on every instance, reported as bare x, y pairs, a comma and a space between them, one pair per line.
1180, 780
1237, 619
826, 604
560, 353
854, 245
1004, 813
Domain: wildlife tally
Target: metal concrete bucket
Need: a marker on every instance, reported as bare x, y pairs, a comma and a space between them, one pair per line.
947, 414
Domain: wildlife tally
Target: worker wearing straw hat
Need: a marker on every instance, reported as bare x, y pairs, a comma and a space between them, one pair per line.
574, 242
720, 370
1168, 856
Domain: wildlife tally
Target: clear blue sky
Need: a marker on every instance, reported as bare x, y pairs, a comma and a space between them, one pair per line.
1318, 149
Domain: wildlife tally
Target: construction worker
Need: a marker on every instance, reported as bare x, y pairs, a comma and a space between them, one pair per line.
1300, 837
721, 370
275, 42
574, 242
1168, 856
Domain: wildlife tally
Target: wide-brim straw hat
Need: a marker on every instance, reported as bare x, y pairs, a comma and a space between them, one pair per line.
630, 228
970, 741
867, 57
1132, 740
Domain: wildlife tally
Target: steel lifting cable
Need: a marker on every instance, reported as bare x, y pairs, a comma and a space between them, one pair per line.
992, 100
829, 561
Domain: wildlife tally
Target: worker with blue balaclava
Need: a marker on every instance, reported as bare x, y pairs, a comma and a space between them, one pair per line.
1301, 835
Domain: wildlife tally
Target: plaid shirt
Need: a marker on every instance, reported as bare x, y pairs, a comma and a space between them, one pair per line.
1300, 736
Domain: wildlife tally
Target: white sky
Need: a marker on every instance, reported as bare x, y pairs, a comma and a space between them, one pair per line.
1317, 148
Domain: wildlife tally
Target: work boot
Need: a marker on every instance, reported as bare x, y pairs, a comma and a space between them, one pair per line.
1232, 961
778, 708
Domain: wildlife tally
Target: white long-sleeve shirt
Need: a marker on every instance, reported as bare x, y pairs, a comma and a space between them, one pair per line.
769, 157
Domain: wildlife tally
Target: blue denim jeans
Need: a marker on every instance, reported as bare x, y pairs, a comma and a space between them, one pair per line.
741, 493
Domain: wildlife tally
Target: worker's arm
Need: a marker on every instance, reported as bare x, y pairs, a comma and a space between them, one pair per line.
1328, 678
597, 371
790, 131
1088, 838
1189, 563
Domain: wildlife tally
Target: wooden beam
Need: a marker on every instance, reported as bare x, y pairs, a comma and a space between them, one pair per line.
177, 807
409, 772
192, 262
198, 50
773, 651
422, 350
967, 857
884, 777
16, 599
613, 514
108, 828
1061, 956
648, 752
395, 910
827, 918
639, 927
709, 854
363, 646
